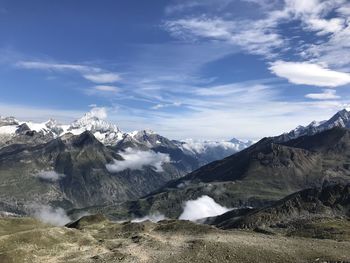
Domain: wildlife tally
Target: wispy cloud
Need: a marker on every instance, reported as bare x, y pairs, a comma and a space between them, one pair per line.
103, 90
327, 94
326, 21
106, 88
103, 77
93, 74
254, 37
160, 106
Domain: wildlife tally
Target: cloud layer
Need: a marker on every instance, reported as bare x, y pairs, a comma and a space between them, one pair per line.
50, 175
327, 94
50, 215
136, 160
202, 207
156, 217
309, 74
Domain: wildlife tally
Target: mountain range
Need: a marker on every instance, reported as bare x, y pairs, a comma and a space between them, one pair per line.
258, 175
91, 162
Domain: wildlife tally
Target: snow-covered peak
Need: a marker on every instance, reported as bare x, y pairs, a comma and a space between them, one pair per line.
340, 119
103, 130
149, 138
92, 123
5, 121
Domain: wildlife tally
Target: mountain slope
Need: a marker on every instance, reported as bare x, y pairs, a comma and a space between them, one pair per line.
70, 171
256, 176
329, 201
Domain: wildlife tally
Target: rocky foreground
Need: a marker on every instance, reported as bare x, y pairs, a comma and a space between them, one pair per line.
96, 239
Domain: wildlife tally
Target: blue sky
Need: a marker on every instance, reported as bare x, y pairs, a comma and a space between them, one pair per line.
202, 69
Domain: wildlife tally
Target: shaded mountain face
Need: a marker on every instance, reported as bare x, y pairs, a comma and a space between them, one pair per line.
70, 171
315, 204
259, 175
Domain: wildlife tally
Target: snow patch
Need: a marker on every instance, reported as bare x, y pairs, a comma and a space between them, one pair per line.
8, 129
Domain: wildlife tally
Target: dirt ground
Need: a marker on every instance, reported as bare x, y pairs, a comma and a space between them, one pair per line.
26, 240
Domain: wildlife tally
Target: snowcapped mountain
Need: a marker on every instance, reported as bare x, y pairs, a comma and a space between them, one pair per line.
110, 135
105, 132
340, 119
11, 126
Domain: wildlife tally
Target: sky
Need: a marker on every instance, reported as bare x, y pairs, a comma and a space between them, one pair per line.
201, 69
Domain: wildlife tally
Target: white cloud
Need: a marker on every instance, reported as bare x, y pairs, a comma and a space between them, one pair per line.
160, 105
93, 74
202, 207
55, 66
256, 37
262, 35
136, 160
50, 175
156, 217
327, 94
50, 215
324, 26
98, 112
309, 74
106, 88
103, 77
102, 90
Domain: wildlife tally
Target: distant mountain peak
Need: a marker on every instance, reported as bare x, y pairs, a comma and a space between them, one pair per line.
340, 119
93, 123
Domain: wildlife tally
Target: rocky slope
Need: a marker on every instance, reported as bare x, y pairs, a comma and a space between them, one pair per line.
95, 239
328, 202
257, 176
72, 171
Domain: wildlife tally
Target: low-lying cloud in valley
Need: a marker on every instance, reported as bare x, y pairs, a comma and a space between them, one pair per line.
136, 160
156, 217
50, 215
202, 207
50, 175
